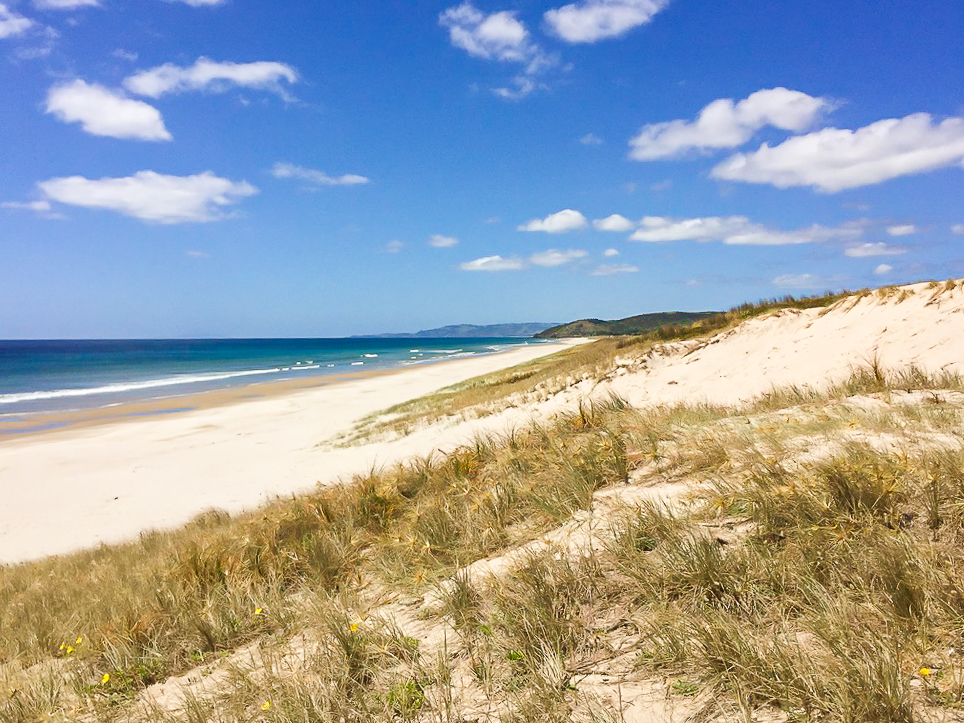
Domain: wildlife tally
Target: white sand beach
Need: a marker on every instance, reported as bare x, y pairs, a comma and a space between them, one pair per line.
106, 482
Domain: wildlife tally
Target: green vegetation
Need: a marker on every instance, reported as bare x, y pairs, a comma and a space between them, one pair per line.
676, 325
632, 325
799, 557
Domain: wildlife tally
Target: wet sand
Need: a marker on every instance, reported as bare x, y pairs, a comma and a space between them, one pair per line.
31, 424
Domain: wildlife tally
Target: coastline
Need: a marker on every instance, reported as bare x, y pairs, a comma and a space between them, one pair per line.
39, 423
106, 478
80, 379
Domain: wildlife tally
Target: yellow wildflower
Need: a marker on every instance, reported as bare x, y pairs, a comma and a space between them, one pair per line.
106, 679
258, 611
62, 646
925, 671
266, 705
353, 627
70, 649
80, 640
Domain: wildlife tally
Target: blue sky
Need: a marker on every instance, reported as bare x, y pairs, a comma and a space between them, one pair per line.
175, 168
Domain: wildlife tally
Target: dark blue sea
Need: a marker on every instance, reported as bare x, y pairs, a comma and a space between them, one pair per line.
51, 376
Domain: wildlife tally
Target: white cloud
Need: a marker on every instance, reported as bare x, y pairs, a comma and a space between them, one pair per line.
11, 23
737, 231
493, 263
761, 236
64, 4
552, 257
874, 249
565, 220
710, 228
209, 75
42, 41
905, 229
617, 223
196, 254
317, 178
498, 36
152, 196
522, 86
725, 124
958, 228
835, 159
103, 112
589, 21
799, 281
610, 269
440, 242
591, 139
128, 55
35, 52
200, 3
38, 206
393, 247
883, 269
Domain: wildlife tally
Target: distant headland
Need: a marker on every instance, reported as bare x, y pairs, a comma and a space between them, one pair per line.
524, 330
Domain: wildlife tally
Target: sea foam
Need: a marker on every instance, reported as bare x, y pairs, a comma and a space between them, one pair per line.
131, 386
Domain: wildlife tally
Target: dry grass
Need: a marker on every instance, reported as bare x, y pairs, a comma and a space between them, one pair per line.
540, 379
533, 381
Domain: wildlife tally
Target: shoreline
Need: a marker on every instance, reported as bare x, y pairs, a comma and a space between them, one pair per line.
168, 396
39, 423
106, 480
18, 425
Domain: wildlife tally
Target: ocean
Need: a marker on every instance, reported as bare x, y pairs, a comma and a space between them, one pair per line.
55, 376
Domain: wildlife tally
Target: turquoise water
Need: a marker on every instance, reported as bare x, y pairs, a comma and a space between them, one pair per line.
46, 376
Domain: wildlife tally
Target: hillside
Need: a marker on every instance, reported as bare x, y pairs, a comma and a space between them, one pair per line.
471, 331
638, 324
765, 523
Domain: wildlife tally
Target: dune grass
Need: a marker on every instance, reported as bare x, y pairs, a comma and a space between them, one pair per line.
490, 393
541, 378
121, 618
816, 572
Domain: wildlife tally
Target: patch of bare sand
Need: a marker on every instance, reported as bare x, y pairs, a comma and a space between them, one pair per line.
920, 325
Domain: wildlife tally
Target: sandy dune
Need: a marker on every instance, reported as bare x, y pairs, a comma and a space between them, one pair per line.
924, 327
